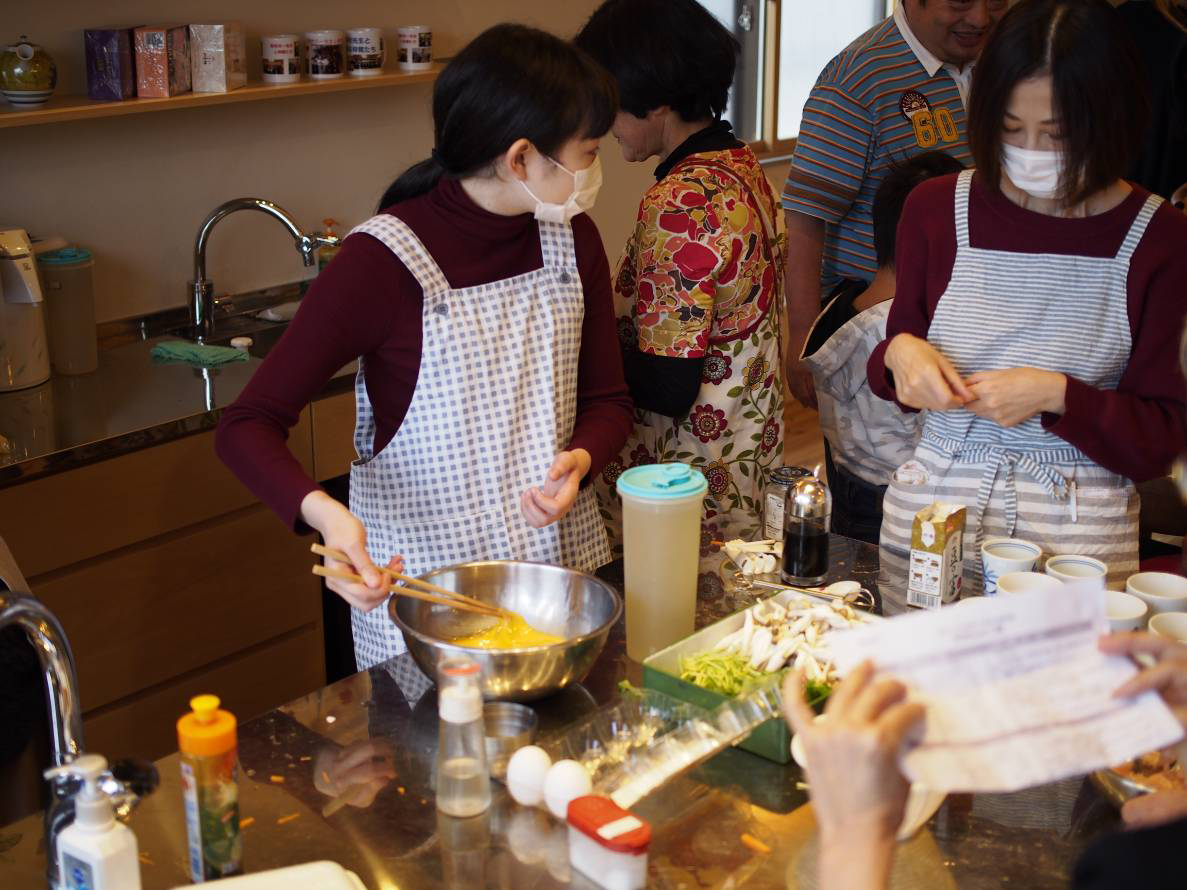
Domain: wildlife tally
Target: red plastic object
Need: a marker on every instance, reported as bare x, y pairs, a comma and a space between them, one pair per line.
590, 813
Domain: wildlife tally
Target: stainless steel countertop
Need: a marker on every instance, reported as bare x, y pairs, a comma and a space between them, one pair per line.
1030, 839
129, 403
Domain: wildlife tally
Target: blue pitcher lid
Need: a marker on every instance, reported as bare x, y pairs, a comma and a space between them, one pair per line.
662, 481
65, 256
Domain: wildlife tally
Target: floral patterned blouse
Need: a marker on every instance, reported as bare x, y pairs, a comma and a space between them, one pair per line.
702, 277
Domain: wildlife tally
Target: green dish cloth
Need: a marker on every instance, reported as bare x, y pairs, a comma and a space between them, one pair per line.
196, 353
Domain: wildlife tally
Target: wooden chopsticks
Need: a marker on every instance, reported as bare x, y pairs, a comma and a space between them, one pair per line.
408, 586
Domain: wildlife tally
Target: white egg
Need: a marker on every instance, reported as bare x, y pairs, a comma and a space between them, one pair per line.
566, 781
526, 771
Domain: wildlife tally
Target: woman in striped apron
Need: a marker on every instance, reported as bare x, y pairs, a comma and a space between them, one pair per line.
1038, 304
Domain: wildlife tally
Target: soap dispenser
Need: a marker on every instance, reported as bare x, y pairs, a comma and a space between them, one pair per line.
95, 852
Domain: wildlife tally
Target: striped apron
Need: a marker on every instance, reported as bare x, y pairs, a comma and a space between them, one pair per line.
495, 400
1009, 310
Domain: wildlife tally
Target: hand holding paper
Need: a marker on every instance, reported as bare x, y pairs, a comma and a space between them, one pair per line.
1016, 690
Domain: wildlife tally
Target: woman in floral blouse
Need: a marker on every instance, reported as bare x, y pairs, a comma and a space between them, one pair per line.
697, 292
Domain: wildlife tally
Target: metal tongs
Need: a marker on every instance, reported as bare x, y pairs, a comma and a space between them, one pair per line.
848, 593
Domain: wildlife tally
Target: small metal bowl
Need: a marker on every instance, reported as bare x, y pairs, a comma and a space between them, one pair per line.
509, 726
570, 604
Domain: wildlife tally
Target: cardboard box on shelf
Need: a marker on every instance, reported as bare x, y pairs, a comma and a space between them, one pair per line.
217, 57
162, 60
111, 75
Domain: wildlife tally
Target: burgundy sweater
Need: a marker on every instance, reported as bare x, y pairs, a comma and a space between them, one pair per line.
1135, 430
366, 303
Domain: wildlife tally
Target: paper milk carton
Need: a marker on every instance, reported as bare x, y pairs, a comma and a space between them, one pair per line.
937, 556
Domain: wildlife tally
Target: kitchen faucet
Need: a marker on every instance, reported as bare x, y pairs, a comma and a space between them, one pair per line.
128, 781
61, 684
202, 289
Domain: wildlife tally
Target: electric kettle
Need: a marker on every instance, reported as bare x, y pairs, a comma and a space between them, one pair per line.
24, 349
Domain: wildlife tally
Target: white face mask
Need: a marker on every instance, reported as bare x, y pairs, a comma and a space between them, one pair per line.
1036, 172
585, 191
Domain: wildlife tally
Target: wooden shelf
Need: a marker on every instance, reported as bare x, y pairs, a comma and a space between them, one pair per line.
73, 108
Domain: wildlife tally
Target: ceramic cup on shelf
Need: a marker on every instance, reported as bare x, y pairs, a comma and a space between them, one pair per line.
415, 47
1125, 611
1161, 591
364, 52
280, 58
1000, 556
1078, 569
1013, 583
28, 74
325, 55
1171, 625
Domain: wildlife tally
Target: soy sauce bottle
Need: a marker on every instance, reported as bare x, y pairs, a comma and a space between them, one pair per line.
807, 512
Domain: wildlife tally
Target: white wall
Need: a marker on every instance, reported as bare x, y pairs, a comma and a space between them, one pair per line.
134, 188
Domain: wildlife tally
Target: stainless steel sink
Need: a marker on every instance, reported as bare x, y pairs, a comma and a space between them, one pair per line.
264, 335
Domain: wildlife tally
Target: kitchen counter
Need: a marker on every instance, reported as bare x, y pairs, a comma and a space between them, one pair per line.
389, 714
129, 403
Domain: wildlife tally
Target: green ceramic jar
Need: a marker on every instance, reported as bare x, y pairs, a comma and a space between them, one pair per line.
28, 74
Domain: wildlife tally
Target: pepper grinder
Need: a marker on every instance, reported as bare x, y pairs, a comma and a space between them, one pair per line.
807, 512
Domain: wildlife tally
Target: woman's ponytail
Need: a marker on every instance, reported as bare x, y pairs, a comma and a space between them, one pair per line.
416, 180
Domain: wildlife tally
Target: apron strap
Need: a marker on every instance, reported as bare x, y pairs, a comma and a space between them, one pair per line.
399, 238
963, 184
1138, 229
557, 245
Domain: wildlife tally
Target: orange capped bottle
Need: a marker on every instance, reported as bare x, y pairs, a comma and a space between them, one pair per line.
209, 748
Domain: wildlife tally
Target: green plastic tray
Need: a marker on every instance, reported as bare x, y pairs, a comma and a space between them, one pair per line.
661, 671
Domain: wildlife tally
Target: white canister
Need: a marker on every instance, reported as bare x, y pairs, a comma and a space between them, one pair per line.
661, 530
325, 54
364, 52
281, 58
416, 47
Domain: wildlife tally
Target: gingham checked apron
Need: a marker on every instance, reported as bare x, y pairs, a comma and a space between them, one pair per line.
1009, 310
495, 401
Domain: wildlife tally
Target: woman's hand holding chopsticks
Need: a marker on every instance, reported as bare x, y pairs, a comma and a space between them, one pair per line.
342, 530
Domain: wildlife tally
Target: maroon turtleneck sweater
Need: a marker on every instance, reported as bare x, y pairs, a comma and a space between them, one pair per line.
366, 303
1135, 430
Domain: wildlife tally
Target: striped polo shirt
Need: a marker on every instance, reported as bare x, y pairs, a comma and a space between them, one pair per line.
883, 99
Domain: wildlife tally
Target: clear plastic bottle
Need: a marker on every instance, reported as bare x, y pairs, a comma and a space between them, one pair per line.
463, 777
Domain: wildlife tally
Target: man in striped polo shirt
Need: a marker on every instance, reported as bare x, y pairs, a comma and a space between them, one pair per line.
898, 90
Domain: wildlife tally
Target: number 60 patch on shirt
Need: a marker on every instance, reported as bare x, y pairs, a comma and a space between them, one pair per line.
931, 126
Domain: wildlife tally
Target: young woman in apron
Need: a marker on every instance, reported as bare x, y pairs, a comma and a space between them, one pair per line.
1038, 305
498, 339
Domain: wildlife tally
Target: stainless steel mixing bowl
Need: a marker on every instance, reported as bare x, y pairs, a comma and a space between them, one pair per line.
559, 601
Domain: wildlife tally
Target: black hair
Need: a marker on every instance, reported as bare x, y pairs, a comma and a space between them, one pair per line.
663, 52
892, 195
1098, 90
510, 82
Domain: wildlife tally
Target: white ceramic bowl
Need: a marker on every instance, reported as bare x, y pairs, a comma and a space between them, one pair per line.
1125, 611
1162, 591
1000, 556
1172, 625
1027, 582
1077, 569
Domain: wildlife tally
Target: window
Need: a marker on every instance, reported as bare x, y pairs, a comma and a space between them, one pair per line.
785, 45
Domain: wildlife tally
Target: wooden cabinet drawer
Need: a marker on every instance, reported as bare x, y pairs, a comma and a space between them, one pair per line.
249, 684
333, 436
155, 611
98, 509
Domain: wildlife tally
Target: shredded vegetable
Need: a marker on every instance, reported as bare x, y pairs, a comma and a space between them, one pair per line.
726, 673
